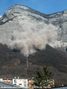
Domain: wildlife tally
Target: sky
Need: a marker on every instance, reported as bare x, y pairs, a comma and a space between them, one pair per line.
44, 6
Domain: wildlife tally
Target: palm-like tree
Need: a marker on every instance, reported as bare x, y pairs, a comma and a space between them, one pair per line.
42, 77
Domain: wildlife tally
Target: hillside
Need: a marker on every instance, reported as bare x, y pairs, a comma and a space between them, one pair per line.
13, 63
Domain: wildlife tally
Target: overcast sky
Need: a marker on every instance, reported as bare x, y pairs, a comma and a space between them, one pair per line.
44, 6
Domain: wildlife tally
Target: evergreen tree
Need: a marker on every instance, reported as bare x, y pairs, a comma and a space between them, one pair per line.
42, 77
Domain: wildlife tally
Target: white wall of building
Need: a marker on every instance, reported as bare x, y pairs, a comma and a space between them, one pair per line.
20, 82
1, 79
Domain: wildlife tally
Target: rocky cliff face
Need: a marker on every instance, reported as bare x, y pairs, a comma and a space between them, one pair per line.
60, 19
26, 29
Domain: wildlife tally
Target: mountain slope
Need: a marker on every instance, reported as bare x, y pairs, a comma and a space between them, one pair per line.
26, 30
21, 20
24, 33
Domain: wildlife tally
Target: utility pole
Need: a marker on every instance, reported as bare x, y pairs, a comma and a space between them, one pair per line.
27, 65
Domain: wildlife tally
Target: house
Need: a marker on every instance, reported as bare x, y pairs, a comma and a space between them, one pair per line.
31, 84
22, 83
4, 85
7, 81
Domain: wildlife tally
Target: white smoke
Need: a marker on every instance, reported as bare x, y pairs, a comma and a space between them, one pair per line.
30, 38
